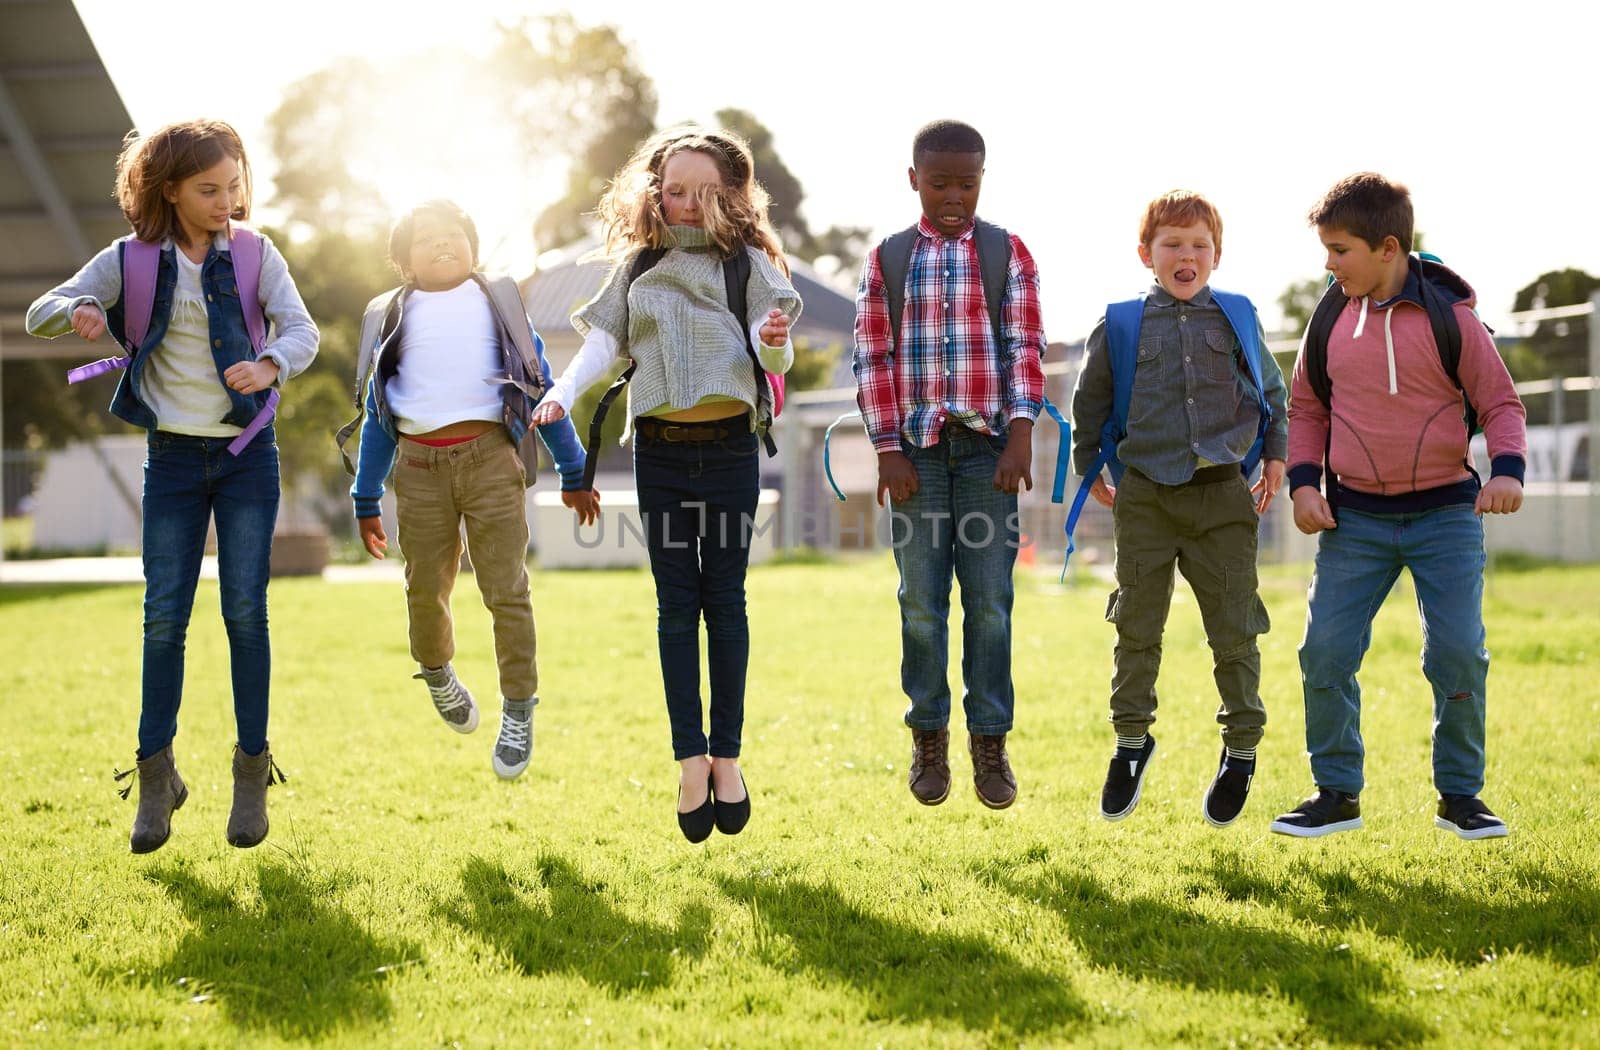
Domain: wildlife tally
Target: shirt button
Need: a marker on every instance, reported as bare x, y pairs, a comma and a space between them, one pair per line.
1183, 317
1195, 446
211, 298
1191, 401
217, 343
947, 273
947, 306
1186, 357
947, 340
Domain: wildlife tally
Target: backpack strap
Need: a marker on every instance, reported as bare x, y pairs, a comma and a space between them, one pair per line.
506, 298
642, 262
1241, 315
894, 262
735, 276
378, 321
140, 260
244, 245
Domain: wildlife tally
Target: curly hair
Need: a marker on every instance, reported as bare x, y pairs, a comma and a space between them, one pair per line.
149, 164
735, 212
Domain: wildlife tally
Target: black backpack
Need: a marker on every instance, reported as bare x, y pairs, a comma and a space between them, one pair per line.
735, 275
1432, 275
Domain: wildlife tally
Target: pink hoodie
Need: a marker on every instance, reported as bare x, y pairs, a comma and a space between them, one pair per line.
1396, 417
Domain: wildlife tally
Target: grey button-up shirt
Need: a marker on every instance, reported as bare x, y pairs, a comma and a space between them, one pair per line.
1193, 404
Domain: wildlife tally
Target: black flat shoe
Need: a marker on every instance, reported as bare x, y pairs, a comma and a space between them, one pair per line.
696, 824
733, 816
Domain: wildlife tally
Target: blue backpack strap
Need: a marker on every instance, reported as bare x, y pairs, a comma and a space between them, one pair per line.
1241, 315
1122, 322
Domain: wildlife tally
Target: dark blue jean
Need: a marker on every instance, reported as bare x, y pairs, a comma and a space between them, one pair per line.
957, 524
697, 501
1357, 564
187, 481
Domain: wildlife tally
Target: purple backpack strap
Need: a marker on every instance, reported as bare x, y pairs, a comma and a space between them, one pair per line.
245, 247
139, 262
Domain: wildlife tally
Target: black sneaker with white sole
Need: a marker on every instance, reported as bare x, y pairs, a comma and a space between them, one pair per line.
1323, 814
1467, 816
1124, 781
1229, 790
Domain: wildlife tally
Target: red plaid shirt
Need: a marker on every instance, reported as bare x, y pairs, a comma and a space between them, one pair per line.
947, 367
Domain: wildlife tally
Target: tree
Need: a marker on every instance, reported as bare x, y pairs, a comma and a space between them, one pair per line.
578, 86
1560, 346
842, 247
1298, 301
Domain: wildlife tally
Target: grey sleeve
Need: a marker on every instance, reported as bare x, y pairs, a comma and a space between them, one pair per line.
769, 288
99, 284
1091, 401
294, 334
608, 310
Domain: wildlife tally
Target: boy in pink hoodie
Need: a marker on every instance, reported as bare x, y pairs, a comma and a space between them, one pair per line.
1401, 494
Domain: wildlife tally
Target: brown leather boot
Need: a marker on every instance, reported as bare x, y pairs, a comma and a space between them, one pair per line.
991, 770
252, 775
161, 792
930, 765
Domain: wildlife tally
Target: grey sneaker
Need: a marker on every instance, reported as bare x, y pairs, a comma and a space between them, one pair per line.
450, 698
514, 748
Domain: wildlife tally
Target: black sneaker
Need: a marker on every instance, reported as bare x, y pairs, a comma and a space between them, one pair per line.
1124, 781
1327, 812
1230, 788
1467, 816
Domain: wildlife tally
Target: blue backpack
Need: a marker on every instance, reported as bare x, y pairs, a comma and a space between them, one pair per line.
1123, 321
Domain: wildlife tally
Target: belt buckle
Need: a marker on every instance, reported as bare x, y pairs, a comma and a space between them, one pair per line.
673, 433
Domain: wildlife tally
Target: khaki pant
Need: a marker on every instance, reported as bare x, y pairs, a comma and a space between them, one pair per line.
1207, 528
480, 482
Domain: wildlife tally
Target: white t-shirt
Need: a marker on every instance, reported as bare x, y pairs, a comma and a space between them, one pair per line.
448, 351
180, 382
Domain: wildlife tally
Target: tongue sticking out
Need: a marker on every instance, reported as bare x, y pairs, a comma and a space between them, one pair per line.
1185, 275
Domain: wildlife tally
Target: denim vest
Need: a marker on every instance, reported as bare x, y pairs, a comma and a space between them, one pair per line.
230, 342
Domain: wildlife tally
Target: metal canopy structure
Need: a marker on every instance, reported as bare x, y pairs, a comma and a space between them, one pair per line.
61, 128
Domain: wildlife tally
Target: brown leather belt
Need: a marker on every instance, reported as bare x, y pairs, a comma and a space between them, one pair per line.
676, 433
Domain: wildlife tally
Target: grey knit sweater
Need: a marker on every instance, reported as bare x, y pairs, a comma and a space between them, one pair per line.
676, 324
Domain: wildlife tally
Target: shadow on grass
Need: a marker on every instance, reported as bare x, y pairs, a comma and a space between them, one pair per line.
1551, 913
559, 921
1152, 939
908, 973
292, 963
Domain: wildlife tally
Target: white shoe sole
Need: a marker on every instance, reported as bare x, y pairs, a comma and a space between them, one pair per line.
1494, 831
1315, 833
505, 772
465, 727
1138, 790
1205, 811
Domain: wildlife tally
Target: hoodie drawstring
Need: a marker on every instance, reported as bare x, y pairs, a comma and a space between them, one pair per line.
1388, 338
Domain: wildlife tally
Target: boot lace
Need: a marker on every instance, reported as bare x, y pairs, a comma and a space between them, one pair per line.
119, 775
988, 754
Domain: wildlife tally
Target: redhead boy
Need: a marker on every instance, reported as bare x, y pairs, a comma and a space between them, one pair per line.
1195, 416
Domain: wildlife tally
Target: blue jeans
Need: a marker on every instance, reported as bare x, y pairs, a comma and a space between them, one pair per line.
697, 501
956, 523
187, 480
1357, 564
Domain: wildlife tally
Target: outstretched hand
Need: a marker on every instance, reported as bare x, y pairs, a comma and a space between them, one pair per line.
1268, 484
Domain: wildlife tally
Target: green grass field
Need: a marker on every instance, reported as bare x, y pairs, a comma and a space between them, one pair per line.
408, 898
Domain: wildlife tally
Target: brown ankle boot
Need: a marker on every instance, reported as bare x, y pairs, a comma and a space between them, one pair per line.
930, 765
252, 775
991, 770
161, 792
